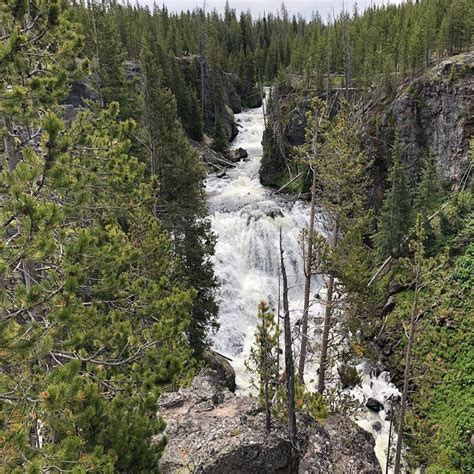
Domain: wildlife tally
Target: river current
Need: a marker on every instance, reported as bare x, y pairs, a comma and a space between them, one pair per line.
247, 218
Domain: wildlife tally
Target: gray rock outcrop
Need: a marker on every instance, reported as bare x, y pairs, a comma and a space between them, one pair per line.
210, 430
433, 112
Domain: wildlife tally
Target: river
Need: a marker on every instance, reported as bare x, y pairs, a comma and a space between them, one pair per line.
247, 218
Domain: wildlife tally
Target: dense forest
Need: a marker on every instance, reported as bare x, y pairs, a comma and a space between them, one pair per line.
107, 292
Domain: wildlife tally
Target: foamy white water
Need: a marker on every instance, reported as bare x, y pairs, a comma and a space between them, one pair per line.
247, 219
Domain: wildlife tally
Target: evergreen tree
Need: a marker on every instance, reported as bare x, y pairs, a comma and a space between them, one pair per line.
341, 170
220, 142
92, 327
428, 195
263, 360
395, 217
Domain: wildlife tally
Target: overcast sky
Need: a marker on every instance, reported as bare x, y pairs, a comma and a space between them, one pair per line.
304, 7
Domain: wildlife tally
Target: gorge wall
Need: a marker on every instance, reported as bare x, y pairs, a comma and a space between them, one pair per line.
432, 112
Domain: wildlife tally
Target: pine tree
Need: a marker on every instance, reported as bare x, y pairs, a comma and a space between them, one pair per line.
219, 142
428, 194
395, 217
263, 359
341, 170
92, 328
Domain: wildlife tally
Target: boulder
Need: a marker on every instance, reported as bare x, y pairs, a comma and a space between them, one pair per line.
221, 365
210, 430
239, 154
374, 405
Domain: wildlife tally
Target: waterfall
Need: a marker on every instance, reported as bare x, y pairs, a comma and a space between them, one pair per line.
247, 218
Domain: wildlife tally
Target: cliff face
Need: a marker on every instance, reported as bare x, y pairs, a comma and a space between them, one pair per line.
433, 112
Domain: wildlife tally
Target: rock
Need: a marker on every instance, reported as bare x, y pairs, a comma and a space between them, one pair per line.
389, 305
228, 121
374, 405
431, 112
395, 287
213, 431
241, 153
352, 448
221, 365
377, 426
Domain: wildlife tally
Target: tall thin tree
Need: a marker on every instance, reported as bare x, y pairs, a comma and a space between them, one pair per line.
289, 368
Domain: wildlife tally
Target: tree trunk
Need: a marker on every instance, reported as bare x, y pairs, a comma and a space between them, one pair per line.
268, 415
307, 283
12, 153
290, 387
411, 338
325, 341
327, 323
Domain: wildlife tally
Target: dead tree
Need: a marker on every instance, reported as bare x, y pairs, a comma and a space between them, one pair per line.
307, 282
327, 322
289, 369
406, 380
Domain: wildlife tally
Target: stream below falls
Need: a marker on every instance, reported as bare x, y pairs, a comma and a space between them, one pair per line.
246, 218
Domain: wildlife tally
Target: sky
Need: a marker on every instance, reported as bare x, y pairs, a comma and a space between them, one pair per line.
304, 7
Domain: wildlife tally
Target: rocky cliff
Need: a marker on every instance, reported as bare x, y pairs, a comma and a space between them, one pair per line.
210, 430
432, 112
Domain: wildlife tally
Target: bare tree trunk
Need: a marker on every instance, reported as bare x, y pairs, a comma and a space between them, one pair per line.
12, 153
202, 52
268, 415
346, 59
290, 378
411, 338
307, 283
327, 323
325, 342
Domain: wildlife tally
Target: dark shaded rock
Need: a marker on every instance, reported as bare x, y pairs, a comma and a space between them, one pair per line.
297, 125
374, 405
80, 91
229, 92
132, 70
377, 426
433, 112
221, 365
212, 431
238, 154
241, 153
395, 287
389, 305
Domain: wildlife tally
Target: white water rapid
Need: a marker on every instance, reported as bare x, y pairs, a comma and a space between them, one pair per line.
247, 218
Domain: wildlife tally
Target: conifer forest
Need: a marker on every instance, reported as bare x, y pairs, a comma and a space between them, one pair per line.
236, 241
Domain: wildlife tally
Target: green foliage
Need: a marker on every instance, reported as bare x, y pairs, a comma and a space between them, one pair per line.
395, 218
263, 361
219, 142
94, 312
